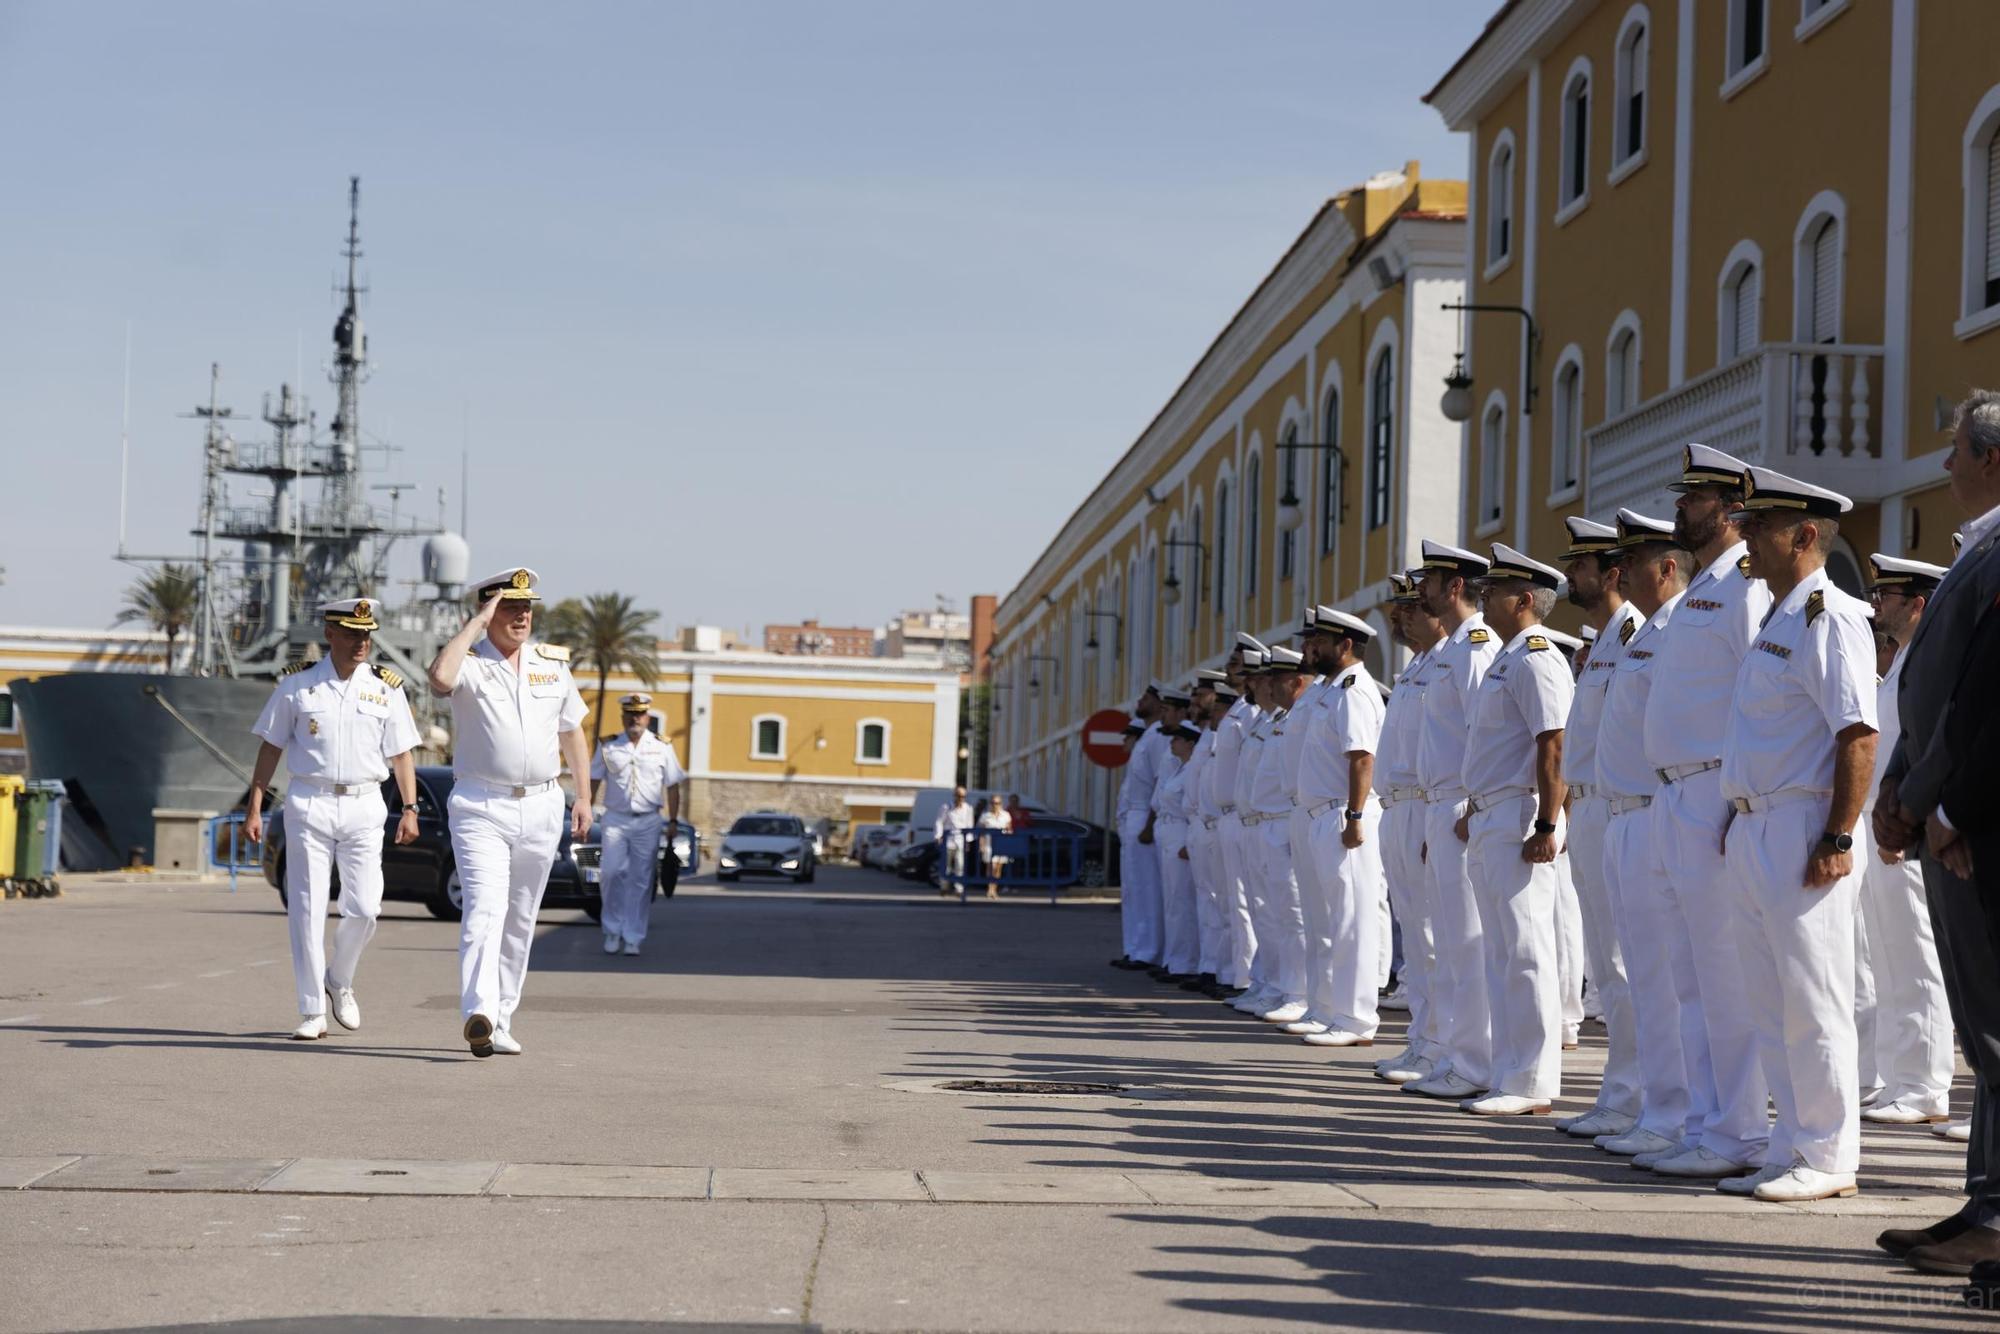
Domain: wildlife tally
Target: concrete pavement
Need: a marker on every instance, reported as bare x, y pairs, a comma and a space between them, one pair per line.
744, 1126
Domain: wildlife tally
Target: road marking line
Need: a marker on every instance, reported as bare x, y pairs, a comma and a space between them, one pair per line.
260, 963
100, 1000
221, 972
21, 1019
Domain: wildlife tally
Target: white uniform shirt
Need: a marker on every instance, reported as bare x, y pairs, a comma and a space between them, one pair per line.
1525, 693
1698, 659
1200, 791
1449, 682
504, 722
338, 731
1402, 720
1622, 770
637, 774
1809, 674
1142, 772
1586, 710
1889, 721
1298, 731
1350, 719
1270, 786
1170, 798
1229, 737
1256, 744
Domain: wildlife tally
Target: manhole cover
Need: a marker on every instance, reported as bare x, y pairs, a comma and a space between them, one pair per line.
1033, 1086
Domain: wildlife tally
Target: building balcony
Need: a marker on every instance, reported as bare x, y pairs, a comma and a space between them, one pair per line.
1809, 410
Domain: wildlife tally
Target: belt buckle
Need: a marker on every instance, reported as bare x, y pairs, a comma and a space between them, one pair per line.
1742, 805
517, 791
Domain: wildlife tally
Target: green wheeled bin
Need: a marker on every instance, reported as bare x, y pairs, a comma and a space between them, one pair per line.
11, 786
38, 838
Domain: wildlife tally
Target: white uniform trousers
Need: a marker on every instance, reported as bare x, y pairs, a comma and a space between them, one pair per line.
1603, 961
1676, 1084
1230, 837
1139, 892
324, 831
1315, 953
1913, 1046
1688, 819
1464, 1024
1283, 910
1343, 989
1211, 930
1409, 899
1517, 914
1264, 958
1868, 1076
1180, 946
630, 846
1798, 960
1569, 947
505, 846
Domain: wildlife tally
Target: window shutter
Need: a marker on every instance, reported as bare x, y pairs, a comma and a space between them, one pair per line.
1826, 283
1993, 208
1743, 318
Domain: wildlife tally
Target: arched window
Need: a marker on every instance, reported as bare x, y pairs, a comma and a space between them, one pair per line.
1331, 460
1492, 464
1567, 453
1381, 437
1575, 167
1621, 370
1819, 282
1982, 208
1629, 116
871, 741
1222, 553
1740, 317
1194, 602
1500, 202
1253, 499
1288, 481
1171, 649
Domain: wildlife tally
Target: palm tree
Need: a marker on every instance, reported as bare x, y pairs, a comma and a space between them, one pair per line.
605, 632
164, 599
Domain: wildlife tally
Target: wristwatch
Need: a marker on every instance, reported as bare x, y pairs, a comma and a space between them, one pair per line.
1545, 826
1352, 815
1839, 842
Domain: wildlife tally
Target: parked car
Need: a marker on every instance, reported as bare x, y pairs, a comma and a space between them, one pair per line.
767, 843
684, 844
425, 871
919, 860
884, 850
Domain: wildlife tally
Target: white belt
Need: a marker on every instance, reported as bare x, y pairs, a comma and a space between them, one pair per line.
1486, 801
507, 789
1674, 773
1443, 795
1314, 812
1406, 793
332, 788
1620, 805
1784, 796
1227, 807
1582, 791
1265, 817
1171, 819
1208, 822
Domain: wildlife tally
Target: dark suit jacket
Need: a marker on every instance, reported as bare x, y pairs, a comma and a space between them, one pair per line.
1937, 658
1970, 795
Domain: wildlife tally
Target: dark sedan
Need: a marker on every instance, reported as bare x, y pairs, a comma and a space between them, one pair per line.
919, 860
425, 871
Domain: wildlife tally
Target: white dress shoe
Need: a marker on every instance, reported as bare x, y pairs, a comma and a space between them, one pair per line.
345, 1009
1285, 1013
1804, 1183
1598, 1121
1450, 1084
611, 942
1636, 1141
631, 949
1301, 1026
1505, 1104
1749, 1181
1900, 1113
1336, 1037
1644, 1161
1571, 1038
503, 1042
1869, 1097
310, 1028
1960, 1131
1698, 1163
1254, 1001
1404, 1072
1399, 999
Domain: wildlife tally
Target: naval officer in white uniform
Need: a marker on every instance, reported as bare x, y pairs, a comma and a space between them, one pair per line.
632, 775
341, 725
516, 720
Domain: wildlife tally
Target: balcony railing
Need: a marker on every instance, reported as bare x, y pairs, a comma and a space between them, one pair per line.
1807, 409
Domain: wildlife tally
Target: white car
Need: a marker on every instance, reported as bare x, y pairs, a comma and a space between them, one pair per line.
767, 843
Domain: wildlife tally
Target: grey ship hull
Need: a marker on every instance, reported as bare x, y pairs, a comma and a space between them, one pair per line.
122, 754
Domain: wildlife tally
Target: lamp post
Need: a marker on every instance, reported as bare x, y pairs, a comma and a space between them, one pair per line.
1290, 512
1117, 632
1457, 401
1034, 677
1170, 588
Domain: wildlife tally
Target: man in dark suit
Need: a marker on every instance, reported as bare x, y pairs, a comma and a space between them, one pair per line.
1908, 801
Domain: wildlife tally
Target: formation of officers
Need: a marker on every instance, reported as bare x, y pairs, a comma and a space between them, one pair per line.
1670, 811
343, 725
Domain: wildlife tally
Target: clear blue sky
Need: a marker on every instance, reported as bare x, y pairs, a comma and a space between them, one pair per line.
755, 310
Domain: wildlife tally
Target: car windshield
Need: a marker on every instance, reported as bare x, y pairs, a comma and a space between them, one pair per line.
766, 826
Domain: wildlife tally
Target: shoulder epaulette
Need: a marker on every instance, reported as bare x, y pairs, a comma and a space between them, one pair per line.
1346, 681
553, 652
1536, 643
1627, 630
1743, 566
292, 667
390, 676
1815, 604
1478, 637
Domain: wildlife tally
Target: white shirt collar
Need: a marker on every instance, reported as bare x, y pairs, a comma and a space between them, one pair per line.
1976, 530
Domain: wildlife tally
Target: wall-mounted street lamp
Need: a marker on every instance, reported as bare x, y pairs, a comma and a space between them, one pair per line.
1117, 632
1457, 401
1170, 590
993, 701
1291, 514
1034, 677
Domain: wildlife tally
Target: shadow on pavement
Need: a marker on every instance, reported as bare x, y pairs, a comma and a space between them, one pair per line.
78, 1037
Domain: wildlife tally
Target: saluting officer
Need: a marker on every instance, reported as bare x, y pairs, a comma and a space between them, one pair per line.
516, 719
632, 774
1796, 760
341, 725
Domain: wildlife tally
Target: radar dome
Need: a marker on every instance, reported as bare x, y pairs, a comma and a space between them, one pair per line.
447, 560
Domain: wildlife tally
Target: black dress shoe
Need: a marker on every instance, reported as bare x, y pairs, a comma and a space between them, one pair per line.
1157, 973
1982, 1291
1900, 1241
1958, 1254
1194, 984
479, 1035
1126, 962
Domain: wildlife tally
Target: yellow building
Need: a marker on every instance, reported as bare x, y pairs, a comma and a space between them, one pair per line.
1302, 461
1772, 226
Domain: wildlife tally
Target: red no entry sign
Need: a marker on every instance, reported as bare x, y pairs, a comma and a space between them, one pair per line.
1104, 737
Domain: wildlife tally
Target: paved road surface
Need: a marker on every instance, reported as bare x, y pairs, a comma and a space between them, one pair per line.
742, 1128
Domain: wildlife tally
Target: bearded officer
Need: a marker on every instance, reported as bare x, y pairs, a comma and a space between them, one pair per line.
631, 775
1796, 760
342, 725
516, 720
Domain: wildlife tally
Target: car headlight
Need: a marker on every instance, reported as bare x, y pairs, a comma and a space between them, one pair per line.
789, 864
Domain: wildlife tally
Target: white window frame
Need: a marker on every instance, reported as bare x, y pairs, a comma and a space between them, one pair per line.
1379, 476
860, 737
1224, 571
1628, 158
1332, 481
1571, 205
1570, 361
1816, 14
1976, 314
1492, 489
1826, 206
1286, 560
1496, 263
757, 732
1191, 597
1738, 73
1625, 326
1743, 253
1251, 530
11, 724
